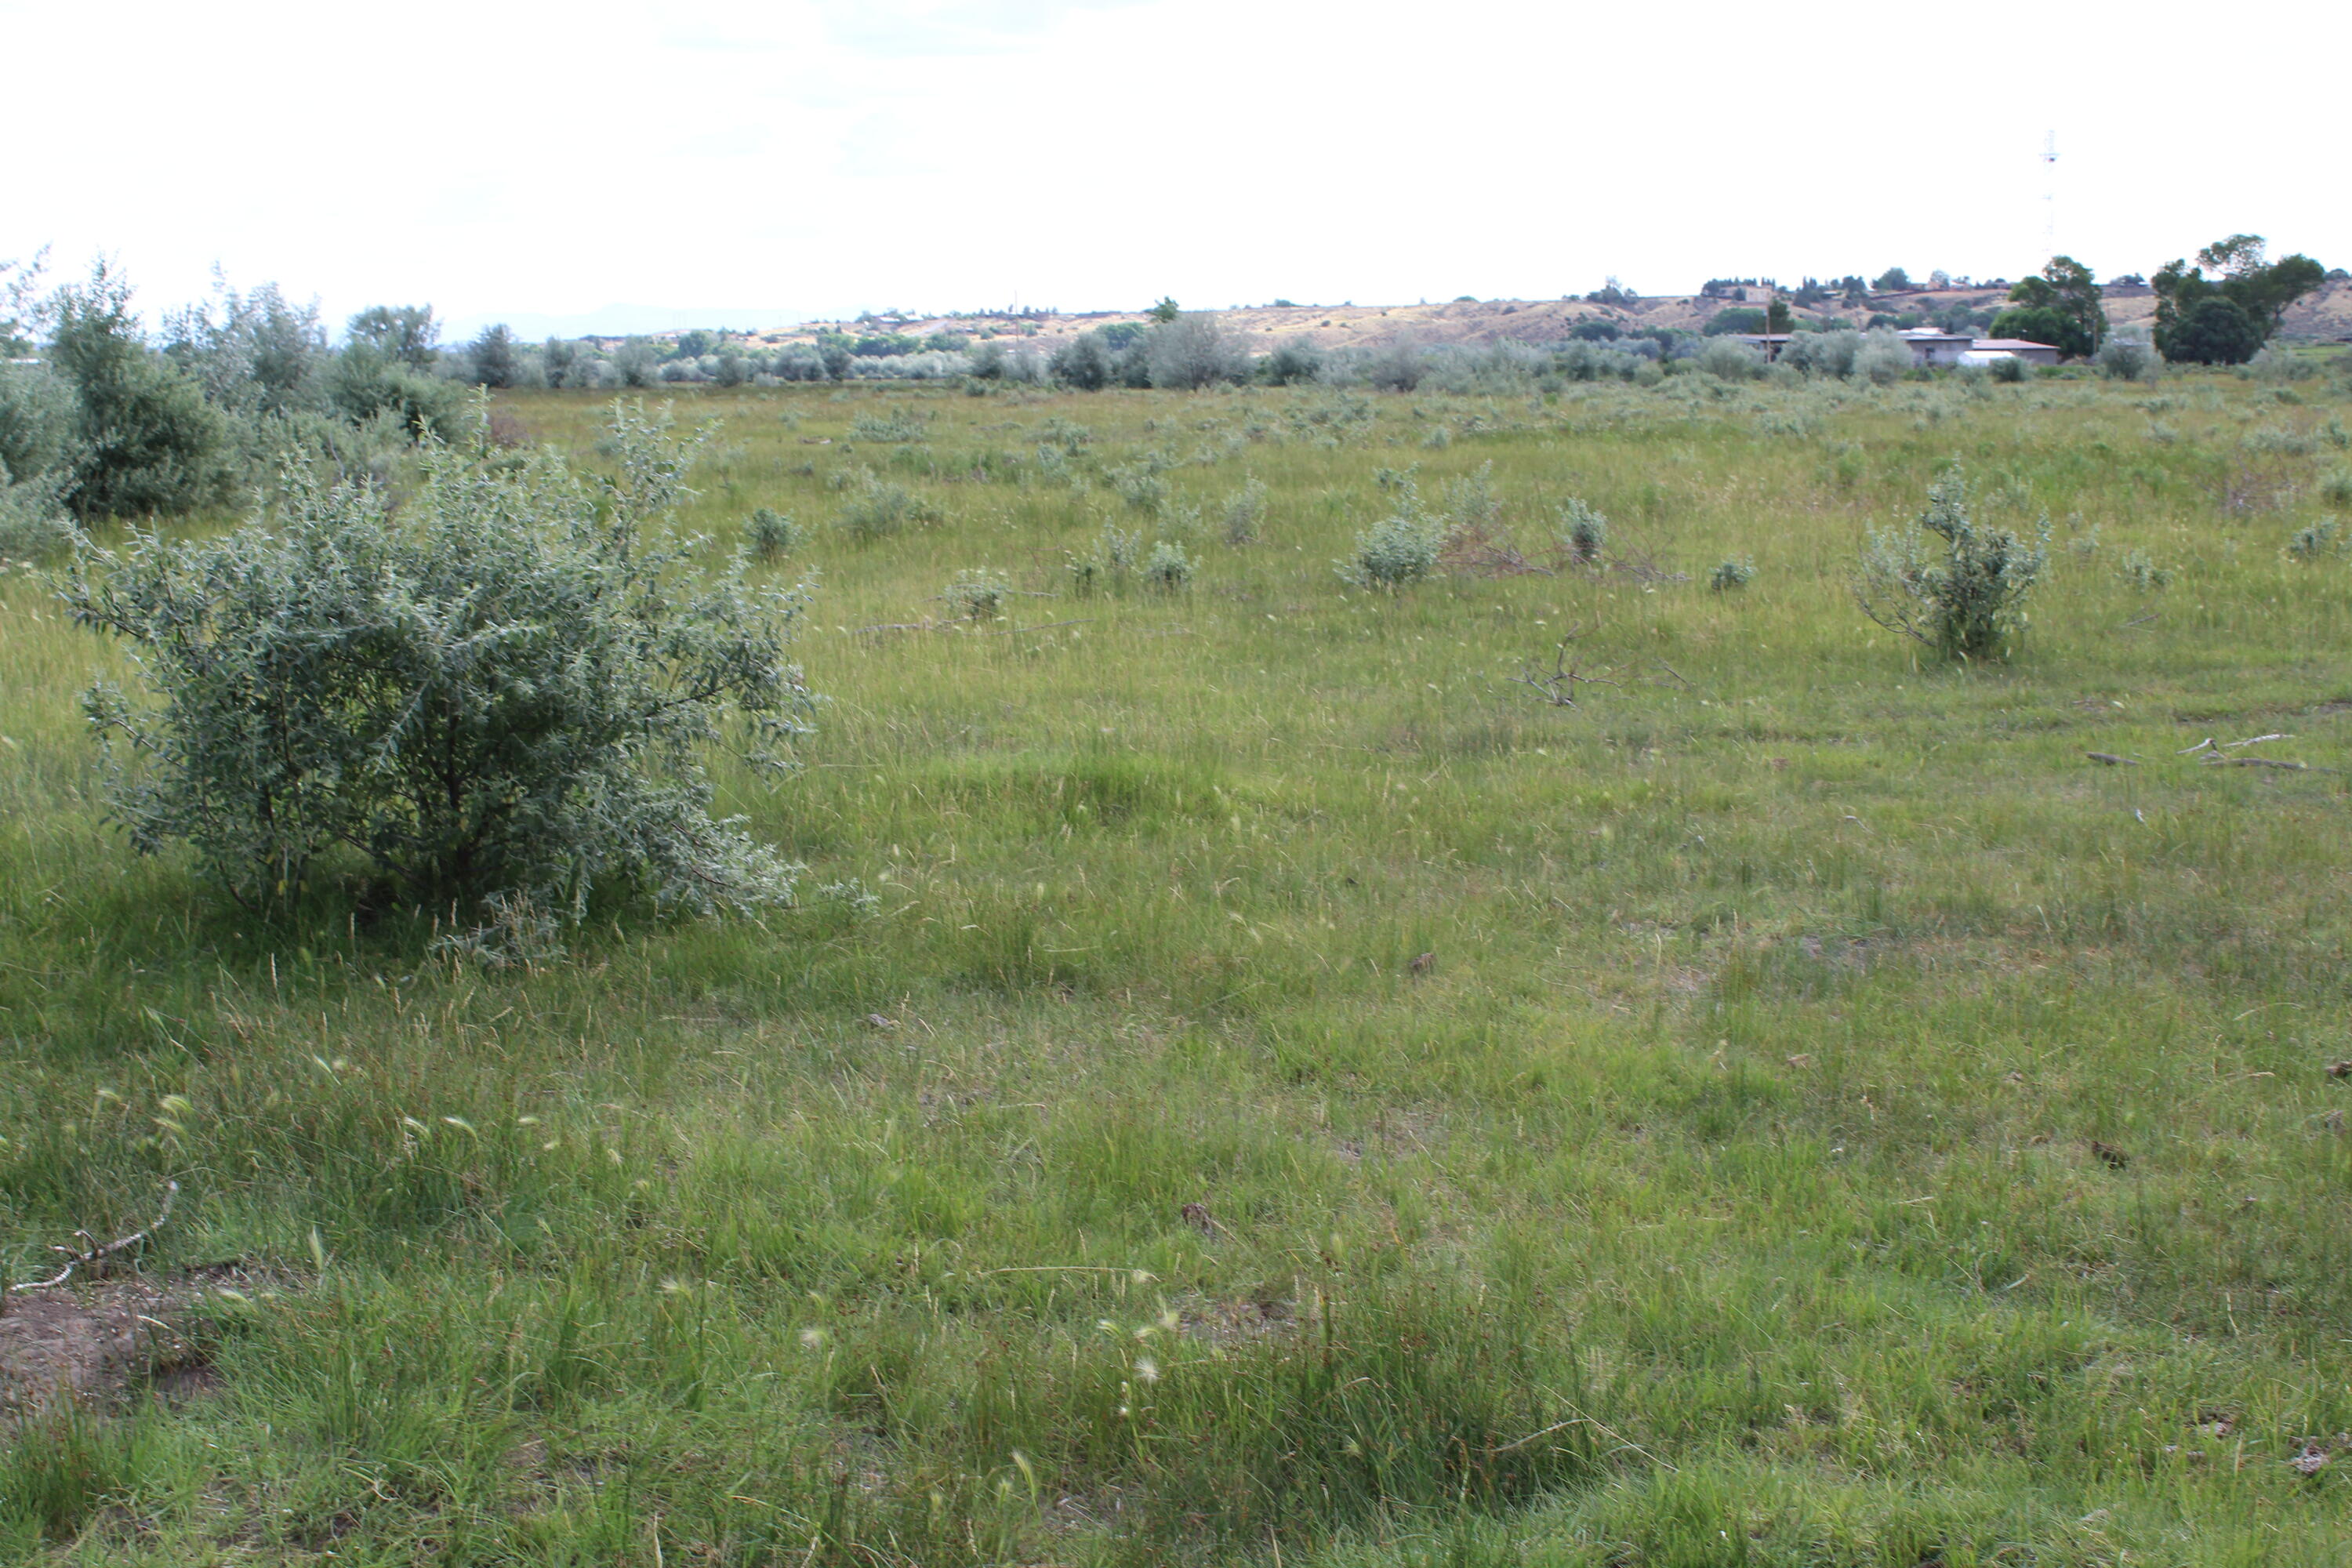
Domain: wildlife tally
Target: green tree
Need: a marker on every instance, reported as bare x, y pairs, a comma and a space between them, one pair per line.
1166, 311
1894, 280
2262, 291
1736, 319
2216, 330
405, 333
2061, 307
367, 383
2042, 324
20, 284
496, 363
1778, 318
145, 441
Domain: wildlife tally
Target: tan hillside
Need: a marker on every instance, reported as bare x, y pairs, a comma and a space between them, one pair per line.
2325, 314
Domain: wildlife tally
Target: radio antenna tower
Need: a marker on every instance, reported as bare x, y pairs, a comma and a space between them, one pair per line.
2049, 195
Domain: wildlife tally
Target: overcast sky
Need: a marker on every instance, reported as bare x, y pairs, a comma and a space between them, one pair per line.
818, 157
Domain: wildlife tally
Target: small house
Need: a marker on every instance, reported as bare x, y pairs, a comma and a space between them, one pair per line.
1936, 349
2016, 348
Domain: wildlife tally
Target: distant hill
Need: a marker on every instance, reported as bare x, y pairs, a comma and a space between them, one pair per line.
2326, 315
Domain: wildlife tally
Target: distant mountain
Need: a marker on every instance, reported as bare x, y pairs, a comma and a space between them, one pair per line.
622, 320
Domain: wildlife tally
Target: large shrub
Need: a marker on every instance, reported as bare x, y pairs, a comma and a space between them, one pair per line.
1964, 596
1823, 353
1882, 357
1730, 360
1193, 350
1085, 362
495, 697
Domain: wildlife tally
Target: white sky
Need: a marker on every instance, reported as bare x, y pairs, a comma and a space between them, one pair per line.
816, 157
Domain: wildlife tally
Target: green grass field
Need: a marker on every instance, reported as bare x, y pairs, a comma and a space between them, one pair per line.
1654, 1131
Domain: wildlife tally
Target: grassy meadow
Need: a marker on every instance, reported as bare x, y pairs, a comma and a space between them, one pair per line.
1305, 1099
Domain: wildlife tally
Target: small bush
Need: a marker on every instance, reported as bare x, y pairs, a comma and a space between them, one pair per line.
1167, 568
1245, 514
879, 508
1400, 550
1582, 532
495, 697
2127, 356
1115, 555
978, 595
773, 534
894, 427
2009, 370
2335, 487
33, 520
1732, 573
2311, 544
1968, 598
2141, 573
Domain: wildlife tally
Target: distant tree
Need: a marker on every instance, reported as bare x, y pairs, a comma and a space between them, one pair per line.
1612, 292
733, 369
636, 362
835, 350
495, 362
406, 332
947, 342
2064, 289
145, 439
1119, 336
1939, 280
1778, 318
1294, 362
1191, 351
20, 284
1167, 311
366, 382
2127, 281
1085, 362
253, 353
1735, 319
693, 344
1894, 280
1597, 330
2042, 324
2216, 330
2261, 289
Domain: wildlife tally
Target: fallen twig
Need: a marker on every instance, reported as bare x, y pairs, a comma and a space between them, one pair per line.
2113, 760
96, 1254
1046, 627
2264, 763
2255, 741
2205, 744
1557, 687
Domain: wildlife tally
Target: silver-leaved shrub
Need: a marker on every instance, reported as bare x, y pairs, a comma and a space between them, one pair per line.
500, 694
